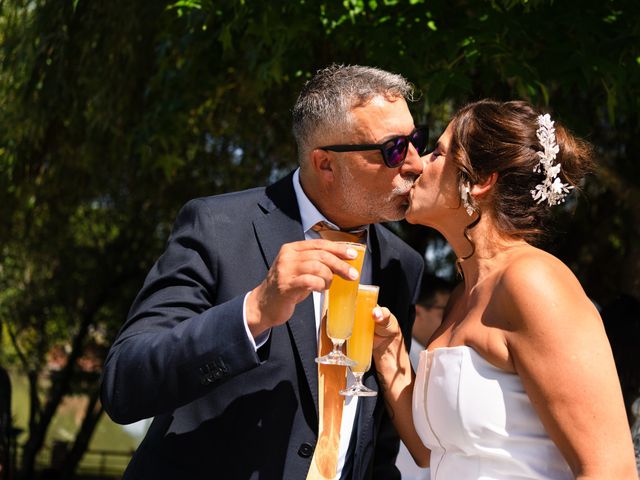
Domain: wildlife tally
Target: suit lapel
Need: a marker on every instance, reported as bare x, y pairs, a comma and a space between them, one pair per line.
384, 257
279, 224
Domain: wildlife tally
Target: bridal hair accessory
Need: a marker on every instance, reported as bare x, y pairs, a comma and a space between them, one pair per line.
551, 189
465, 190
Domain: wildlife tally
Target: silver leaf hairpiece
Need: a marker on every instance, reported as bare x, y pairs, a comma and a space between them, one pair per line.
551, 189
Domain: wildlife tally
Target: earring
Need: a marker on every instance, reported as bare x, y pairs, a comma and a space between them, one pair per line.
465, 191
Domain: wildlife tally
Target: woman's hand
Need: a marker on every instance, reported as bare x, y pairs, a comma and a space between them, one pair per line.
395, 377
389, 352
387, 329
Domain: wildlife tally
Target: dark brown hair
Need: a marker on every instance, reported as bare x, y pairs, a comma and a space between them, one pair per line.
490, 136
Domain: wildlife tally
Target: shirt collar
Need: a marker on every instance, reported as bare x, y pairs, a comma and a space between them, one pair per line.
309, 214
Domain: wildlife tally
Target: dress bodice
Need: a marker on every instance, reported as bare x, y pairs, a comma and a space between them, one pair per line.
479, 422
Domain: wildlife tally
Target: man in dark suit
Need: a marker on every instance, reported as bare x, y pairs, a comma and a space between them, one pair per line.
220, 342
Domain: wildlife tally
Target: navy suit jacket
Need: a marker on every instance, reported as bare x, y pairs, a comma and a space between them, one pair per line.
221, 409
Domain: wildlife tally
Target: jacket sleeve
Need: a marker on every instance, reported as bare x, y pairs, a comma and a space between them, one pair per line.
177, 343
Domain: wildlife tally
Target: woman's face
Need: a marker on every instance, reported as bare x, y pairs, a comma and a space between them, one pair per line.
435, 196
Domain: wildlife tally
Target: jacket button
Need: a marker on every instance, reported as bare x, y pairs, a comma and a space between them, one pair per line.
305, 450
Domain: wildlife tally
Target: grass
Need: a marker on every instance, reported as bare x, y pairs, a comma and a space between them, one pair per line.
108, 436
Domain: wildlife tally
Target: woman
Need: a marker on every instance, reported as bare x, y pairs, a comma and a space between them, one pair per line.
519, 380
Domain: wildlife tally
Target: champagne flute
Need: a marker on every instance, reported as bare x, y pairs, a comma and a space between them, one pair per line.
342, 305
360, 344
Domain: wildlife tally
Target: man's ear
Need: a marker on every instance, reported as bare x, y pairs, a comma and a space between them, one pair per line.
420, 310
322, 163
481, 188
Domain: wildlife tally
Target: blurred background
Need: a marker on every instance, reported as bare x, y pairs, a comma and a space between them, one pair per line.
114, 114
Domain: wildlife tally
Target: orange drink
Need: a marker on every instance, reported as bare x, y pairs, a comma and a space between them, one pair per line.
360, 343
342, 298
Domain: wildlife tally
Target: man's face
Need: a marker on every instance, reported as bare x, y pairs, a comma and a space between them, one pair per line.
367, 190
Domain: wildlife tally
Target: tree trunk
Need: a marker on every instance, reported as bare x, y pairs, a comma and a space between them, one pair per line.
58, 390
60, 387
92, 416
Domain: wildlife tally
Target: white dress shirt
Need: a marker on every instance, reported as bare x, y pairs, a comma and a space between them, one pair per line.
309, 216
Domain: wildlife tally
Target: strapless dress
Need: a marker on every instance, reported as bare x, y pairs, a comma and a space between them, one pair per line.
479, 422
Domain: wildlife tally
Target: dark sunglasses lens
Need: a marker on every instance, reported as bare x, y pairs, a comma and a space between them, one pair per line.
395, 151
419, 139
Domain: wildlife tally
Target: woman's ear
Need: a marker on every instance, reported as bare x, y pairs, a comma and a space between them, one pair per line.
481, 188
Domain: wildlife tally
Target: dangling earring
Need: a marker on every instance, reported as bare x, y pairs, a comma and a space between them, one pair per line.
465, 191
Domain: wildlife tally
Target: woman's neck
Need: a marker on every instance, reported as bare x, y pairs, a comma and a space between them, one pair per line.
492, 248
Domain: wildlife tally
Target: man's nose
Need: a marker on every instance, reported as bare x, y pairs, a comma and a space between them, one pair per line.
413, 162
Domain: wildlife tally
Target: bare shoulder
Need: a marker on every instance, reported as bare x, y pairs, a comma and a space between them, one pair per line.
559, 349
535, 285
535, 268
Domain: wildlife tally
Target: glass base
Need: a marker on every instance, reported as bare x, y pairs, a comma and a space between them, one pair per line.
336, 358
358, 390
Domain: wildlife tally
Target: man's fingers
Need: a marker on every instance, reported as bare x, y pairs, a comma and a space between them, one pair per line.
313, 260
338, 249
314, 267
310, 282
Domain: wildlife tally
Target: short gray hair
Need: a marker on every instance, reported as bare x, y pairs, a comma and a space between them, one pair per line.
325, 102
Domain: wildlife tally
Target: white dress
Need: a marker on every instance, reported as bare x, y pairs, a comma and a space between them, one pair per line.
404, 461
479, 422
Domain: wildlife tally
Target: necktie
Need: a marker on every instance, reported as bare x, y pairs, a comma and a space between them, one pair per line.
331, 379
331, 233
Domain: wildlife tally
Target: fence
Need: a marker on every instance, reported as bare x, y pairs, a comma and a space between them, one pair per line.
95, 464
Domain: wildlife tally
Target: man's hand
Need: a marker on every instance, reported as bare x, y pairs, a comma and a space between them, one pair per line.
299, 269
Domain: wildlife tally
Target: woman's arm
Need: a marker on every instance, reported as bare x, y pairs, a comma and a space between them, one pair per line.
559, 349
396, 379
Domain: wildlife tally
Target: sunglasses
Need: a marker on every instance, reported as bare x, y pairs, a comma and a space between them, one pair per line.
394, 151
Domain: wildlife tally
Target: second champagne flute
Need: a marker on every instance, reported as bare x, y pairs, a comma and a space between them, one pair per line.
360, 344
342, 306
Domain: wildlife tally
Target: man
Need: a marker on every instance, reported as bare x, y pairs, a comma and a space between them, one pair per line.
434, 295
220, 343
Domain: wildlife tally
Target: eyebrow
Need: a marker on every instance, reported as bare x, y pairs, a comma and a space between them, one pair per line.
395, 135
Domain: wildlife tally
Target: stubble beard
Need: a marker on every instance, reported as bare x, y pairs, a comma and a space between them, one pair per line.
374, 206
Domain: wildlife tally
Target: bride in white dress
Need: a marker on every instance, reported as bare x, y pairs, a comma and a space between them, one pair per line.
519, 380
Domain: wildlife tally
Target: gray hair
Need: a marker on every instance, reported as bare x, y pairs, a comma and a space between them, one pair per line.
325, 102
